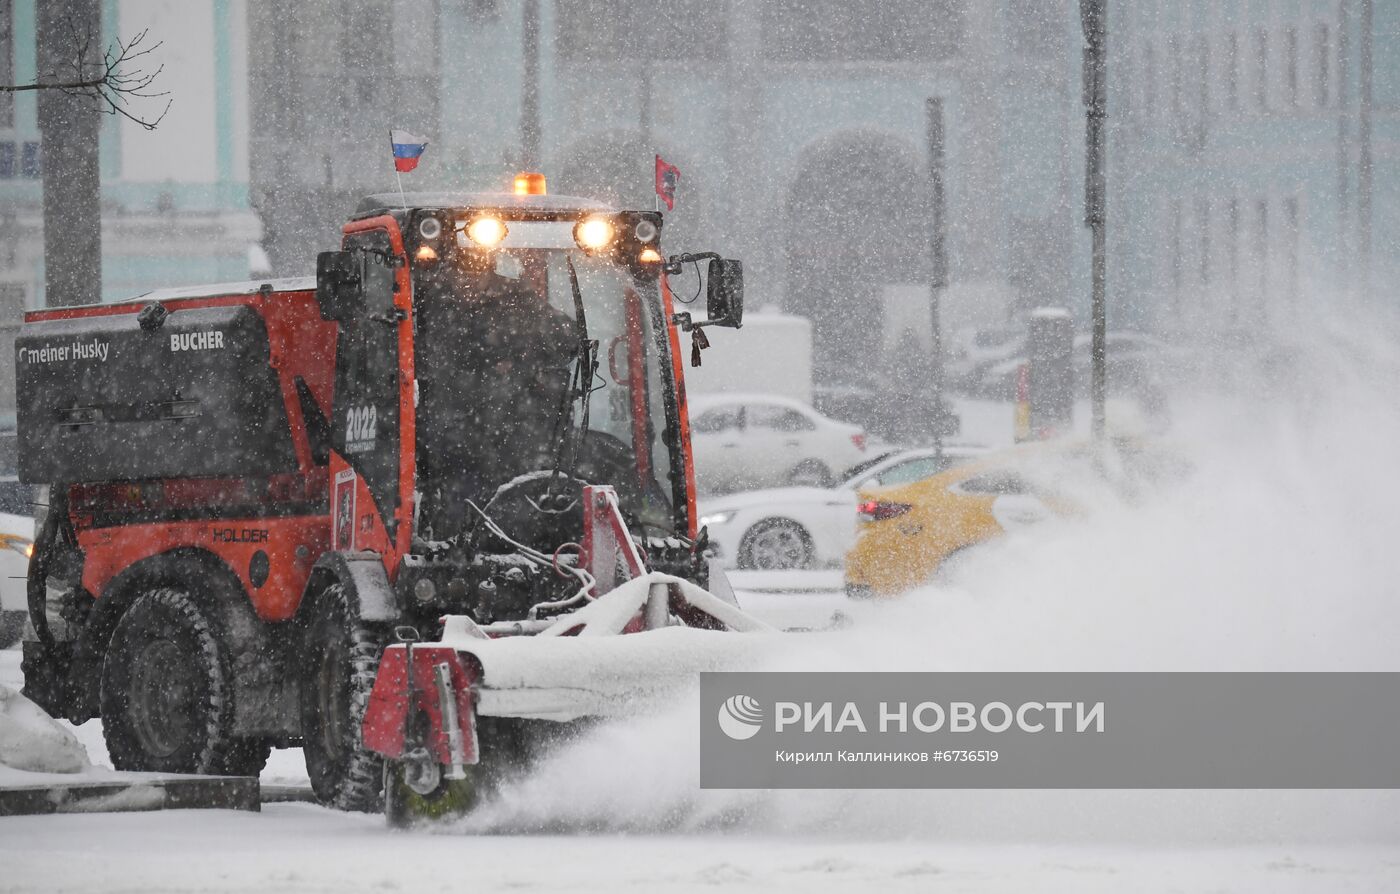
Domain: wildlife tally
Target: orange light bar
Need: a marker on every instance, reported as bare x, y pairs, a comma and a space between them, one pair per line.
529, 183
649, 255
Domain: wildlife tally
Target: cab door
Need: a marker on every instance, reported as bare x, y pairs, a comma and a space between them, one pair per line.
369, 509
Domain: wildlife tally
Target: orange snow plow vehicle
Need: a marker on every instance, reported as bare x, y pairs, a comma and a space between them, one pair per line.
465, 441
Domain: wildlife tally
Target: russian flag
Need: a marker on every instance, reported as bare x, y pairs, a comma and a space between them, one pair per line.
407, 149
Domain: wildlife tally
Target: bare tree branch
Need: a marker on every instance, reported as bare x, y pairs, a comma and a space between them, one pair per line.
113, 82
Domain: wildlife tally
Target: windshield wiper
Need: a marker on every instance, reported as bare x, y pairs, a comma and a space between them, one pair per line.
580, 389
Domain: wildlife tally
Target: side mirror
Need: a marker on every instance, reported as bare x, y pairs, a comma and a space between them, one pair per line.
724, 298
339, 285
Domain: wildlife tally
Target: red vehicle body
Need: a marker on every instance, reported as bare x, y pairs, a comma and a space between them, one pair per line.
240, 510
289, 522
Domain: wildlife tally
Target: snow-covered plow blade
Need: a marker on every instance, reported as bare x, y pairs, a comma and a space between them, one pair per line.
614, 656
449, 715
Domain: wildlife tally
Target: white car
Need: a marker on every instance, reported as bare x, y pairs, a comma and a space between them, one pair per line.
744, 441
16, 543
809, 527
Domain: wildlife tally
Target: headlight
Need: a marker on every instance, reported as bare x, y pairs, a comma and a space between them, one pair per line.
487, 232
594, 233
716, 518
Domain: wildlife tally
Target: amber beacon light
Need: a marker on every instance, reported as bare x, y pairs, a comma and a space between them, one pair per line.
529, 183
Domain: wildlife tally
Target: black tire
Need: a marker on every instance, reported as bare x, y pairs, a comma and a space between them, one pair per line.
11, 628
341, 656
810, 473
776, 544
166, 699
449, 799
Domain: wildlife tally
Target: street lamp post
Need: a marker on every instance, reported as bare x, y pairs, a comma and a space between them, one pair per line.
1094, 19
939, 279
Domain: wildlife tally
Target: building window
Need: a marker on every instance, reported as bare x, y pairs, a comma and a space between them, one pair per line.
1290, 62
1261, 68
1292, 236
1174, 85
1232, 71
8, 158
1149, 80
7, 62
1232, 254
1261, 257
820, 30
1203, 98
1322, 65
1176, 249
614, 31
1203, 236
31, 162
12, 303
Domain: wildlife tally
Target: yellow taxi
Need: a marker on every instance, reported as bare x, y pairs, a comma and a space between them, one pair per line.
907, 533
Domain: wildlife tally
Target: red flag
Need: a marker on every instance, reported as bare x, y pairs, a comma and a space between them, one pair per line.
667, 175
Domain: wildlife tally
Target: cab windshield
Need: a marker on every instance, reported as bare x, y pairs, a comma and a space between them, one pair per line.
504, 345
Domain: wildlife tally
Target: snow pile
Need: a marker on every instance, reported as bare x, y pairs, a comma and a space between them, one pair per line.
1276, 553
33, 741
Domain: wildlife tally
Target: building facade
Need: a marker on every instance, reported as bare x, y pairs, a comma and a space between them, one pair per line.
801, 127
1256, 160
1252, 147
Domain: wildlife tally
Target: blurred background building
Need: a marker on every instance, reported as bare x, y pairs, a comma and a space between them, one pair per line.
1253, 149
801, 128
1255, 159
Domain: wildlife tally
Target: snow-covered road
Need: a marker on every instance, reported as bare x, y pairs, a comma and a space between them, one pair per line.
300, 848
803, 842
1258, 562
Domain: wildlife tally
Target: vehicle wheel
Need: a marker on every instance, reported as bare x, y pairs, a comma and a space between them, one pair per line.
776, 544
416, 792
11, 628
810, 473
166, 700
341, 658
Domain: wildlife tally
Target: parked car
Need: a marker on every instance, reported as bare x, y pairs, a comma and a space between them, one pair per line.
974, 351
908, 534
16, 539
16, 543
807, 527
746, 441
1135, 363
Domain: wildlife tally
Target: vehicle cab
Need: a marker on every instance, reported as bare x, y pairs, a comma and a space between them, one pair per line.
495, 354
